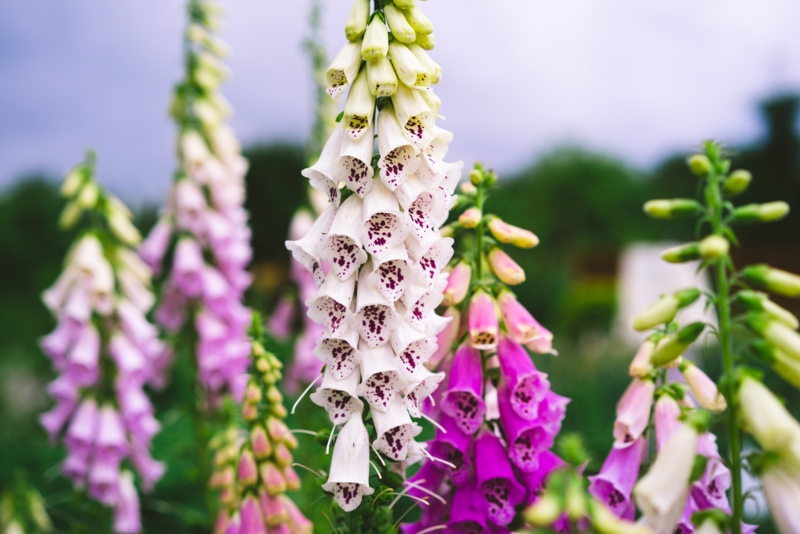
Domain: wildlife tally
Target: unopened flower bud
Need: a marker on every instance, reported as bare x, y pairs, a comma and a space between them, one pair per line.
262, 448
457, 284
507, 233
775, 280
776, 332
544, 512
765, 417
708, 396
87, 198
468, 188
283, 456
575, 499
471, 218
359, 108
253, 393
417, 19
357, 21
699, 164
640, 365
73, 181
425, 41
69, 215
737, 182
381, 77
249, 411
273, 478
677, 208
123, 229
713, 247
682, 253
292, 480
475, 177
758, 301
673, 346
376, 40
448, 231
247, 471
665, 309
274, 395
401, 29
405, 4
408, 68
783, 364
755, 213
506, 269
482, 321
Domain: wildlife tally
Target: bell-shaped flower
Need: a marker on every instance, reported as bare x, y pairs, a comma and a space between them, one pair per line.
340, 355
453, 446
420, 386
458, 283
483, 327
710, 491
661, 494
510, 234
381, 78
321, 175
463, 516
420, 301
381, 377
614, 483
506, 269
527, 438
343, 69
55, 296
348, 479
527, 386
497, 491
704, 389
392, 273
84, 356
359, 108
666, 416
190, 206
384, 224
154, 247
252, 521
331, 305
552, 410
376, 40
782, 489
398, 156
341, 246
354, 164
375, 317
429, 64
463, 400
433, 170
521, 325
536, 480
765, 417
131, 363
412, 347
111, 442
633, 412
103, 478
409, 69
188, 266
307, 251
127, 519
395, 431
640, 365
413, 115
776, 332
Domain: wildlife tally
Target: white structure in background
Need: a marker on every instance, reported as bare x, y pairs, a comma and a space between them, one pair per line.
644, 277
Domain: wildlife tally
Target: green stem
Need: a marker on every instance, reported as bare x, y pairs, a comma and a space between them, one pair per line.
728, 361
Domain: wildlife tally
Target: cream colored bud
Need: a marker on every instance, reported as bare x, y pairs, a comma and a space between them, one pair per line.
661, 312
123, 228
544, 512
376, 40
357, 21
675, 208
343, 70
427, 62
410, 71
405, 4
681, 253
737, 182
73, 181
699, 164
87, 198
713, 247
381, 77
765, 417
401, 29
417, 19
755, 213
775, 280
426, 41
70, 214
471, 218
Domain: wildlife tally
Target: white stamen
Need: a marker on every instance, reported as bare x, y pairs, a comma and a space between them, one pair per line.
434, 423
378, 454
425, 490
377, 472
304, 393
319, 474
431, 529
435, 459
404, 493
330, 438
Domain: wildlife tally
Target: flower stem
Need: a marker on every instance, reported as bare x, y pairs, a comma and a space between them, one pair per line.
728, 359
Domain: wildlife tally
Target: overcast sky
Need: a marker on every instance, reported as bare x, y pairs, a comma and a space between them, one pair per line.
640, 80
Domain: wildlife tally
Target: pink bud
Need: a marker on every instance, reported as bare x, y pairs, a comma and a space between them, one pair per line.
457, 284
297, 521
283, 455
506, 269
292, 480
273, 479
248, 472
521, 325
273, 509
542, 344
470, 218
262, 448
704, 389
641, 366
633, 412
507, 233
482, 321
252, 520
666, 415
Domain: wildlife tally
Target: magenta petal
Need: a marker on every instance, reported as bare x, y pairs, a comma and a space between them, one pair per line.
453, 447
464, 518
614, 484
497, 490
527, 385
535, 480
526, 438
463, 400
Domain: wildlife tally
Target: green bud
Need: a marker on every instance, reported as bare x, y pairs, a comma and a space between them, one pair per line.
777, 333
671, 347
758, 301
737, 182
699, 164
69, 215
677, 208
405, 4
381, 77
682, 253
87, 198
476, 177
713, 247
775, 280
756, 213
357, 21
787, 367
544, 512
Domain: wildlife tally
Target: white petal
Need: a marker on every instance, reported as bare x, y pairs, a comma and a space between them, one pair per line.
321, 174
330, 306
353, 166
340, 355
392, 273
385, 226
382, 381
307, 251
395, 431
375, 316
338, 397
349, 473
413, 114
398, 156
419, 389
412, 347
341, 247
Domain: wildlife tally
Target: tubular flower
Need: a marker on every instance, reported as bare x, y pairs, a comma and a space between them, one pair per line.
376, 252
106, 352
253, 469
201, 245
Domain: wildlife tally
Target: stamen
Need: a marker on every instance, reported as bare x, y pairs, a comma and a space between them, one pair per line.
318, 474
405, 493
303, 431
330, 438
423, 489
434, 423
431, 529
435, 459
304, 393
378, 454
377, 472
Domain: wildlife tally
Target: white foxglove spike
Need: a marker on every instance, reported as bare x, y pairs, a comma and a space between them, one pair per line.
409, 69
420, 311
392, 273
381, 378
338, 397
395, 431
321, 174
398, 156
341, 247
375, 316
354, 164
413, 114
385, 225
412, 347
330, 306
359, 109
340, 355
349, 474
423, 384
308, 250
343, 69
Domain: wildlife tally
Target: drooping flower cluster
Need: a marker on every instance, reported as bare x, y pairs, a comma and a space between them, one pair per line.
106, 352
253, 470
375, 252
498, 416
200, 245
